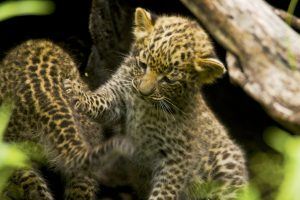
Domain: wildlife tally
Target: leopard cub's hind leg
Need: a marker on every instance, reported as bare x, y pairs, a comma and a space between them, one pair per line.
81, 187
27, 184
223, 176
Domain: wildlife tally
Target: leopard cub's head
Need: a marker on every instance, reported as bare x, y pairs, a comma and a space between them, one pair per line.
173, 55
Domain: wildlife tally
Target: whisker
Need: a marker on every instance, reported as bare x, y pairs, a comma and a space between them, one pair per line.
164, 110
168, 108
109, 70
176, 107
169, 102
127, 84
121, 54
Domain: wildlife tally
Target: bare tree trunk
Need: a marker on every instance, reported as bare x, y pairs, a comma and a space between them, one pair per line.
264, 53
110, 27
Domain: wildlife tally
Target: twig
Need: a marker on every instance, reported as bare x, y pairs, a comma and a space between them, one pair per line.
289, 18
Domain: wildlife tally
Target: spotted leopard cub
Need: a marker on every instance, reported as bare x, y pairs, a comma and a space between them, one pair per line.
157, 91
32, 76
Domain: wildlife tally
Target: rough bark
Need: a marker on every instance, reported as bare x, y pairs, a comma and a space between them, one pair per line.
265, 53
110, 27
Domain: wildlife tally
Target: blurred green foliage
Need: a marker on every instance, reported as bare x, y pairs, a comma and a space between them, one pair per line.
10, 9
275, 176
11, 157
289, 146
266, 173
251, 192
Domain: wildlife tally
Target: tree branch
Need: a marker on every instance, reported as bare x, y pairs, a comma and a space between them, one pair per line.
265, 53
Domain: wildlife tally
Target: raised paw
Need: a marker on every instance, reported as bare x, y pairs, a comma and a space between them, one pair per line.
69, 86
73, 89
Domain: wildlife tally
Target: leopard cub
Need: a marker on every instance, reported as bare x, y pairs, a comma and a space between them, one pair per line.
32, 76
157, 91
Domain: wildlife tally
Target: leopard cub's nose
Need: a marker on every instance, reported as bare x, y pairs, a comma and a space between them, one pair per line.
146, 87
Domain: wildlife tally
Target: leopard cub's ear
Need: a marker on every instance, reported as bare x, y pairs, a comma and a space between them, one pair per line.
209, 69
143, 23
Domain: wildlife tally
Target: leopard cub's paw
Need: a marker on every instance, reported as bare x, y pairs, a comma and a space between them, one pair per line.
68, 85
73, 88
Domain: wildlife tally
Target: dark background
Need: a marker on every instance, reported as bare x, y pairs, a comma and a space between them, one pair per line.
68, 25
70, 20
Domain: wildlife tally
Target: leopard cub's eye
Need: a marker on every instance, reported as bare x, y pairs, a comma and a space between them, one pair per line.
167, 80
142, 65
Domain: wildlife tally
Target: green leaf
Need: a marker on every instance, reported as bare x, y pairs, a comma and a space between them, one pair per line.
11, 9
250, 192
5, 112
289, 146
11, 156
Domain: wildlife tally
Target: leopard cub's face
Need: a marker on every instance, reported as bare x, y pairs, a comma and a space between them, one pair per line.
173, 55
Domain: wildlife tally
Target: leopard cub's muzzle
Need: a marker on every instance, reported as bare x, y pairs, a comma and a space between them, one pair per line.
146, 85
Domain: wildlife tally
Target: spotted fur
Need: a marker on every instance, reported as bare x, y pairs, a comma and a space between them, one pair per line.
32, 76
157, 91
